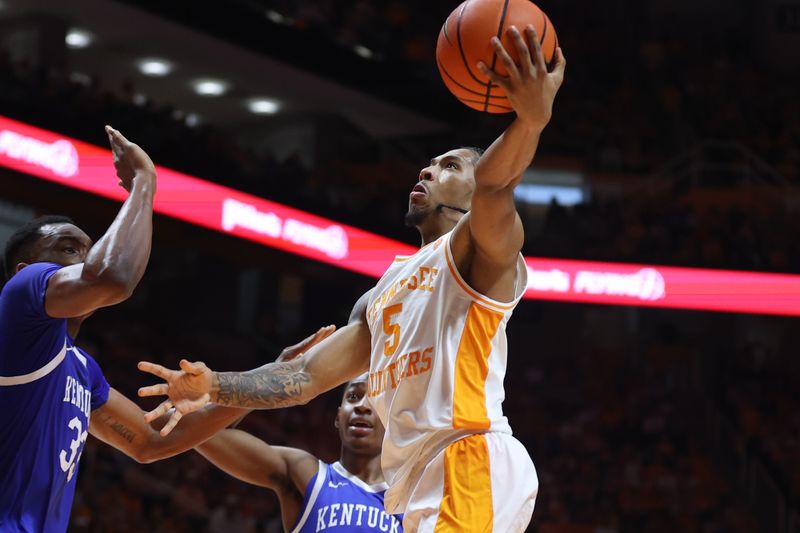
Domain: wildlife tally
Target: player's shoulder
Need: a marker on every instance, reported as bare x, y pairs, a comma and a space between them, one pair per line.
35, 272
359, 311
300, 464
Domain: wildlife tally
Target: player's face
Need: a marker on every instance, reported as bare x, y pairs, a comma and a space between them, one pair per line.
358, 425
62, 244
448, 180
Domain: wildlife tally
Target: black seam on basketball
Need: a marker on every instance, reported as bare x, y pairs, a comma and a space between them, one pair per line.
461, 49
494, 55
467, 100
544, 31
444, 32
443, 70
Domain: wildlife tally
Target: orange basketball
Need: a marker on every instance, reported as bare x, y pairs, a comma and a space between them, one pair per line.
465, 39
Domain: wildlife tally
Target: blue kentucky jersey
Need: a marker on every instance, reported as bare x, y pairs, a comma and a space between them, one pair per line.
48, 388
336, 500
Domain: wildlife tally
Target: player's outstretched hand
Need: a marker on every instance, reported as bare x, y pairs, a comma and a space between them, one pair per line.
296, 350
187, 390
130, 161
530, 88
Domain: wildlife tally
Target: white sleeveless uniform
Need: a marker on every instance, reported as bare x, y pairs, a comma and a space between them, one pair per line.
438, 361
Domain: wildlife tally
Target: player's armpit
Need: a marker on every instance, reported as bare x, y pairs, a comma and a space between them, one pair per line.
253, 461
486, 252
120, 423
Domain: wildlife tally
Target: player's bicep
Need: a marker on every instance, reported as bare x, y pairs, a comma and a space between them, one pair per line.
71, 293
495, 226
339, 358
247, 458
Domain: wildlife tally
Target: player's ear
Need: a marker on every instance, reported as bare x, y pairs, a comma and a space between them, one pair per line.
336, 420
20, 266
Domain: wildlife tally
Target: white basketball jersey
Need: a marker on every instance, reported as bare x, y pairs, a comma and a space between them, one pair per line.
438, 361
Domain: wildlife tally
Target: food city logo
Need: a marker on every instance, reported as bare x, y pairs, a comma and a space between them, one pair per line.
59, 157
646, 284
331, 240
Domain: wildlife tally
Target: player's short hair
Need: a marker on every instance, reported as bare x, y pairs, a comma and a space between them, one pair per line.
477, 153
19, 241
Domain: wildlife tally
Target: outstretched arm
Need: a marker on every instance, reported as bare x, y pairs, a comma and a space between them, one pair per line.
341, 357
116, 263
253, 461
120, 423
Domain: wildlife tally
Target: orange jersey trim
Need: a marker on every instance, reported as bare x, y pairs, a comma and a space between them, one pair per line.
472, 367
467, 496
469, 290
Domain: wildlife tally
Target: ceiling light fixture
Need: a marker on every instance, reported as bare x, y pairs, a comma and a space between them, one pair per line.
155, 67
209, 87
77, 38
263, 106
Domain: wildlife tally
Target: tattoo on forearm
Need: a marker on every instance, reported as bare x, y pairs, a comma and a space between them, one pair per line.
118, 427
126, 433
271, 386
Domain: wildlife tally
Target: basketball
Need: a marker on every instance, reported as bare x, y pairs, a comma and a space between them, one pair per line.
465, 39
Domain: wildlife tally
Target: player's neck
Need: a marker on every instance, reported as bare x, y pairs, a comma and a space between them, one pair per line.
434, 227
365, 467
74, 325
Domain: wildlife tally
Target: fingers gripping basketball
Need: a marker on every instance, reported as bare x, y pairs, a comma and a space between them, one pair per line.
465, 39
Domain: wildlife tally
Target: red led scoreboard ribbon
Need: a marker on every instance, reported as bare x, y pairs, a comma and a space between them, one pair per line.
83, 166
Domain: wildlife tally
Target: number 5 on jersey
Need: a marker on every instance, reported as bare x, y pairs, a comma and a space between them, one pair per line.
392, 329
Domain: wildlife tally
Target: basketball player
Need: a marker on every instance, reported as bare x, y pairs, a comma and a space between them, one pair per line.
316, 496
431, 333
49, 388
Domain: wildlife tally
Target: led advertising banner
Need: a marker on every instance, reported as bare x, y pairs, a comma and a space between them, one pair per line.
53, 157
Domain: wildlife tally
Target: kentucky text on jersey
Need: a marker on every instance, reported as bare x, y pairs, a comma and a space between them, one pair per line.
336, 500
347, 515
77, 395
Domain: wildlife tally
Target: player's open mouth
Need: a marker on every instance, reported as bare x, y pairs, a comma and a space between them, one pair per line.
360, 427
418, 191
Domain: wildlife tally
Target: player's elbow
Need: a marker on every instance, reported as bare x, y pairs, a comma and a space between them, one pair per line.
115, 283
149, 454
115, 288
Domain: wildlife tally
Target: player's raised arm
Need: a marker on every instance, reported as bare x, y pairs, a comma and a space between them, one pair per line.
493, 221
115, 264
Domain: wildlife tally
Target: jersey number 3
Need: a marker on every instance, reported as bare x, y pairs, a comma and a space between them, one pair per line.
68, 465
392, 329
